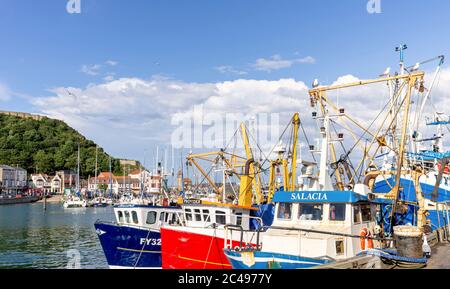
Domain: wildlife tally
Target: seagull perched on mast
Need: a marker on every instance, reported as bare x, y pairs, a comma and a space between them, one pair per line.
415, 67
315, 83
386, 73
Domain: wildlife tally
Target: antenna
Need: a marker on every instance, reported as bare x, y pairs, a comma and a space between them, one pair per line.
182, 174
173, 162
402, 49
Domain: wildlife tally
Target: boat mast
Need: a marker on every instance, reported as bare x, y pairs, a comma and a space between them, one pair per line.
96, 169
110, 178
78, 170
427, 96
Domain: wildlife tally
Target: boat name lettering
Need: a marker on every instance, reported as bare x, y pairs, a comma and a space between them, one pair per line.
309, 197
192, 202
148, 242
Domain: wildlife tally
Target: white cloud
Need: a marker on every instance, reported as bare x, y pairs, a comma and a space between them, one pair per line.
5, 92
228, 69
111, 62
126, 114
91, 69
276, 62
129, 114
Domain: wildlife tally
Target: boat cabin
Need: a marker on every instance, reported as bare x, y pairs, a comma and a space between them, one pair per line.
312, 212
146, 216
204, 214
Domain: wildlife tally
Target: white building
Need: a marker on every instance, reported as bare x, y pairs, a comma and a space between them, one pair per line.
48, 184
12, 179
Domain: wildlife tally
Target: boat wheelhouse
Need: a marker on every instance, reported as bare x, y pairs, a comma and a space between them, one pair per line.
134, 240
315, 228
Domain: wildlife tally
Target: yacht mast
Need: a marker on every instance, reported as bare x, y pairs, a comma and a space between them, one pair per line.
96, 168
78, 169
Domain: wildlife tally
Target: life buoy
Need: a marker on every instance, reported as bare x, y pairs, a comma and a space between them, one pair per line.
364, 234
446, 169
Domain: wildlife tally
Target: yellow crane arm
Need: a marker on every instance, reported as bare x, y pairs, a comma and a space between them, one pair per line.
248, 152
296, 123
202, 171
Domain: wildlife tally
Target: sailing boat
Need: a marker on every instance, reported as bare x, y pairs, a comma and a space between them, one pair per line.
76, 201
99, 200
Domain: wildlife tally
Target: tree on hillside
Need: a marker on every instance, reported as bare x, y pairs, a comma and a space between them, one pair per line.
47, 146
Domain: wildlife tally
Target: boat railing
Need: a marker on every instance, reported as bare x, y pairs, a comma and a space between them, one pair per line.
243, 245
246, 247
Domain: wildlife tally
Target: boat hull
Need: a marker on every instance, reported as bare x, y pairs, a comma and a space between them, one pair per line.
129, 247
437, 219
182, 249
263, 261
15, 201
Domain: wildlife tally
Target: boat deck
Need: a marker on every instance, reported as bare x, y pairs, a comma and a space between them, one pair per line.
440, 257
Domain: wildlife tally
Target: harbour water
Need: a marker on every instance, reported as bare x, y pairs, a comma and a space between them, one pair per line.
55, 239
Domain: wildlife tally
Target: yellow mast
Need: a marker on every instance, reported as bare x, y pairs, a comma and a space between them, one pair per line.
255, 175
293, 174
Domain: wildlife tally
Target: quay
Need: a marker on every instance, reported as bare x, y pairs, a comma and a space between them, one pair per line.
440, 256
53, 200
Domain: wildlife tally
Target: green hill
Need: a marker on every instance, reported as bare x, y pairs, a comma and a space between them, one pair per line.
48, 145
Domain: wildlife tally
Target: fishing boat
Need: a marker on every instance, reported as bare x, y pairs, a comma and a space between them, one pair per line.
134, 240
426, 154
198, 241
322, 225
317, 224
315, 228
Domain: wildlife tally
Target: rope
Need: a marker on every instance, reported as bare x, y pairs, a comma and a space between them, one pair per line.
390, 257
142, 250
209, 250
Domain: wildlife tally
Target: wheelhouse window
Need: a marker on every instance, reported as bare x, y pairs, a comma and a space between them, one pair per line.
198, 216
356, 214
135, 217
337, 212
284, 211
167, 217
310, 212
366, 213
174, 219
127, 217
161, 217
239, 219
151, 218
188, 213
120, 216
206, 216
221, 218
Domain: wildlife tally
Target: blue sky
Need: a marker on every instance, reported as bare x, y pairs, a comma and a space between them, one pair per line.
44, 47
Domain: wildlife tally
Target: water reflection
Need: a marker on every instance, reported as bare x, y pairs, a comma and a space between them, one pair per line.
30, 238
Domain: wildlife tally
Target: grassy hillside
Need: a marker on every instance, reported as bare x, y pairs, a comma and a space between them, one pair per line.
48, 145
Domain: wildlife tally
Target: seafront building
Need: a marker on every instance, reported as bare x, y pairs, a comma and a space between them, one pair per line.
136, 182
12, 179
55, 184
